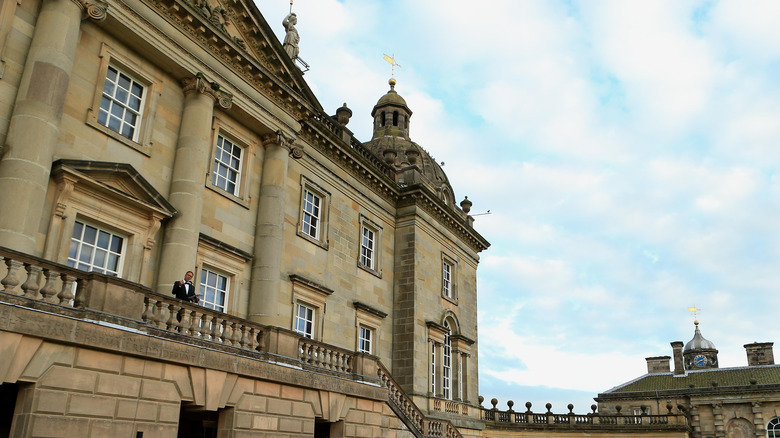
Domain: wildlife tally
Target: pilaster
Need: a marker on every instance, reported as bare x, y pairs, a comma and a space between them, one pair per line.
35, 122
191, 163
265, 285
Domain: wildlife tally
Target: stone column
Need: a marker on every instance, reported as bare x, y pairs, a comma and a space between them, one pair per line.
464, 384
440, 371
35, 121
193, 150
264, 289
717, 413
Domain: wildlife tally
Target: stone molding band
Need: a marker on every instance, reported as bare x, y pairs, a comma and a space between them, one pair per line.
200, 84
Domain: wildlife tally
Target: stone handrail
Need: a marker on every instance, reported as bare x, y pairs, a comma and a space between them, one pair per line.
326, 356
24, 275
199, 322
572, 420
418, 424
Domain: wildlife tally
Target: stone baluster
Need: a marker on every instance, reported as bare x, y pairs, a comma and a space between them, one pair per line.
236, 330
171, 323
185, 325
11, 281
80, 300
216, 329
31, 286
159, 314
245, 337
148, 310
197, 323
48, 291
226, 333
66, 294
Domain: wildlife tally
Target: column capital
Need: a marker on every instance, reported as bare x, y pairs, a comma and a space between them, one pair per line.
200, 84
96, 10
278, 139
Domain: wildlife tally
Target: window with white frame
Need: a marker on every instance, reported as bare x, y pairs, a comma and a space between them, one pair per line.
446, 378
95, 249
433, 368
446, 279
312, 205
365, 340
121, 104
214, 289
773, 428
304, 320
367, 247
226, 173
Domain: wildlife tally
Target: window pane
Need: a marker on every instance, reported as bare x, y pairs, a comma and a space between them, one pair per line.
77, 228
116, 244
103, 238
100, 257
86, 254
90, 233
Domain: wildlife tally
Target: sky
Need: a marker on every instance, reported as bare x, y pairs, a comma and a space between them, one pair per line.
628, 153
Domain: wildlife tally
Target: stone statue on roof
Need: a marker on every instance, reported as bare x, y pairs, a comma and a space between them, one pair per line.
291, 38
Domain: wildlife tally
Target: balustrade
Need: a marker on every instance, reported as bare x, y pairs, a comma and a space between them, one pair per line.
572, 420
325, 356
22, 275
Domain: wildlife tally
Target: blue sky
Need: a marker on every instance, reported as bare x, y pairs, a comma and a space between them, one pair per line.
628, 152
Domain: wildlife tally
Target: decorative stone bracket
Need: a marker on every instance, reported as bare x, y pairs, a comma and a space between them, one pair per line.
200, 84
96, 10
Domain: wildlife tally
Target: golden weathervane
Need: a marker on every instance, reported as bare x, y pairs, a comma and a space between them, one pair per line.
394, 64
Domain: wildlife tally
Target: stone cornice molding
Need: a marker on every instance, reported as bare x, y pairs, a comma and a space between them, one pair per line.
198, 83
262, 69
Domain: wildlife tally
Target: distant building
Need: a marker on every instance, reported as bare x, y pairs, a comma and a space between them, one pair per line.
734, 402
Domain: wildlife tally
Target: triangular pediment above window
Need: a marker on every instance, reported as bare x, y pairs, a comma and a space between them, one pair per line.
116, 180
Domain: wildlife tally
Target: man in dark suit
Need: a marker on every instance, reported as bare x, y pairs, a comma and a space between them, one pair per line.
184, 289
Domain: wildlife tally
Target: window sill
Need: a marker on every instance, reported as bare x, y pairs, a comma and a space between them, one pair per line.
240, 201
450, 299
374, 272
92, 121
320, 243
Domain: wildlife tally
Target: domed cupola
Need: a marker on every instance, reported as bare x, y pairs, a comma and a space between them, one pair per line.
699, 353
392, 144
391, 115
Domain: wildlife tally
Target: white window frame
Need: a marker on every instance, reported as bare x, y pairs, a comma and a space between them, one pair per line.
313, 296
218, 164
113, 101
365, 339
433, 368
368, 318
446, 378
449, 284
309, 318
133, 67
316, 233
203, 292
74, 260
369, 257
311, 224
773, 428
367, 247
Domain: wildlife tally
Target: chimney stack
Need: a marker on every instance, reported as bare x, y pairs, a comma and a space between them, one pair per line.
679, 367
658, 364
760, 353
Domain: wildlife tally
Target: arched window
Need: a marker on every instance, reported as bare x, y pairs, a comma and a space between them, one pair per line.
382, 120
446, 381
773, 428
395, 118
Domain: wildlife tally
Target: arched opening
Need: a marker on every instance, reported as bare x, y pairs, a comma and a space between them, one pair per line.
382, 120
395, 118
446, 378
773, 428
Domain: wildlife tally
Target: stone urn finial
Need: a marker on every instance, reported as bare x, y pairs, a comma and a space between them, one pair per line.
412, 154
465, 205
389, 155
343, 114
494, 402
549, 408
510, 403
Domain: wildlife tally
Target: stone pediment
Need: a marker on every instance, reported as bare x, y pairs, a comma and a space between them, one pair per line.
236, 32
116, 179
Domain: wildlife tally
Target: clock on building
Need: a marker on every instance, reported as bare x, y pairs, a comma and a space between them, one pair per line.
700, 361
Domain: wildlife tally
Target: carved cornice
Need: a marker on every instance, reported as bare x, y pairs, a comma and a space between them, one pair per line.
263, 71
421, 196
199, 84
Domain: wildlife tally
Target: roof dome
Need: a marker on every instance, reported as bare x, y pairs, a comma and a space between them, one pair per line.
698, 342
391, 98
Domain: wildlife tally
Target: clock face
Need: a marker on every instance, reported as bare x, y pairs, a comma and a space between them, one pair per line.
699, 360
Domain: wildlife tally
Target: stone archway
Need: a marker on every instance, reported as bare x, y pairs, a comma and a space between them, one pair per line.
740, 428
